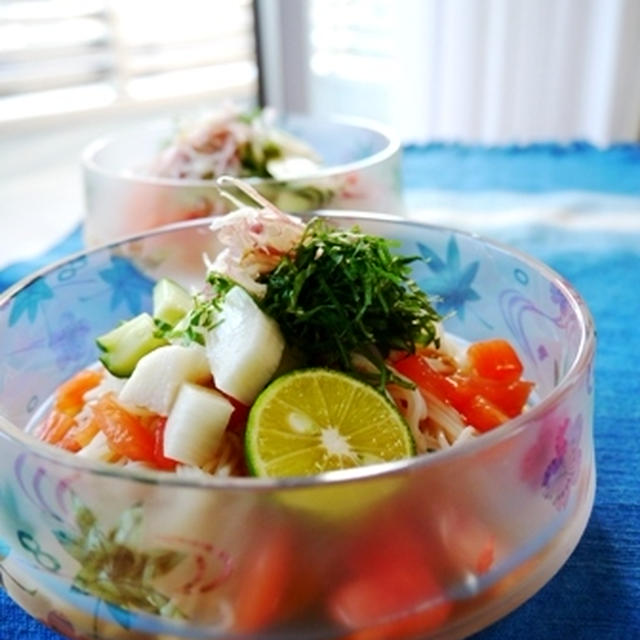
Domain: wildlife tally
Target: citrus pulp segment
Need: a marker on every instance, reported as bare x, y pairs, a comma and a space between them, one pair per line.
316, 420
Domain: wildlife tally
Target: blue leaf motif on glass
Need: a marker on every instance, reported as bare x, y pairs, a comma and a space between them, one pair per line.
28, 301
129, 285
70, 342
451, 283
5, 549
121, 615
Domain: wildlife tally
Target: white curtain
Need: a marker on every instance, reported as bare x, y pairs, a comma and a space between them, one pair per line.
517, 71
473, 71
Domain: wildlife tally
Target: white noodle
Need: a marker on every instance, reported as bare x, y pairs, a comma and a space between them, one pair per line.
443, 418
97, 449
443, 443
468, 433
108, 383
229, 458
413, 408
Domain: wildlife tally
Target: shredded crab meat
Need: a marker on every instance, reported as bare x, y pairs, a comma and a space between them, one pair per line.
261, 233
255, 239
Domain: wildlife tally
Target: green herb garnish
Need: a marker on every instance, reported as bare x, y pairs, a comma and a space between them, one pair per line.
255, 155
204, 315
344, 292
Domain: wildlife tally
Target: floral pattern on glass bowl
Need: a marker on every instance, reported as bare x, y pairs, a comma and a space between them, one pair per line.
97, 552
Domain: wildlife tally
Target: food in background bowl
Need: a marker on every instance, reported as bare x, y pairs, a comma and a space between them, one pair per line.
145, 177
236, 143
441, 543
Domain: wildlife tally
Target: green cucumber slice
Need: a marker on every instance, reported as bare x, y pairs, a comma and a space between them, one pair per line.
123, 346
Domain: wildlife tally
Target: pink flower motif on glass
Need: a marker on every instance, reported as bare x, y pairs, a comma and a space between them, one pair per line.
553, 462
351, 187
60, 623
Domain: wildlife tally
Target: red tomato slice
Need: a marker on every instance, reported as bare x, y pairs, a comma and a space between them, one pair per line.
483, 414
510, 397
69, 397
125, 432
495, 359
238, 419
264, 581
157, 424
454, 389
418, 370
405, 627
391, 591
469, 543
484, 403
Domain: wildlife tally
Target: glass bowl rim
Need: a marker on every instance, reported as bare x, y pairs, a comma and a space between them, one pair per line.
392, 147
510, 429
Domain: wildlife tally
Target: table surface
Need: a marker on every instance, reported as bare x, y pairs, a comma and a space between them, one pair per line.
578, 209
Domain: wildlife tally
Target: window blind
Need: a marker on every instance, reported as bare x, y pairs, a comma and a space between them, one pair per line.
351, 38
351, 56
66, 55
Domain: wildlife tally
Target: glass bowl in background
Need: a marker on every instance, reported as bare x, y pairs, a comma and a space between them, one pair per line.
435, 546
360, 171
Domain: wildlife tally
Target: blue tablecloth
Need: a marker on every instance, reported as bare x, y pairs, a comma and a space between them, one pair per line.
596, 595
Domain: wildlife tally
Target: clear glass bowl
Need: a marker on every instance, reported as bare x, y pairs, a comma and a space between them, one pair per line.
361, 171
436, 546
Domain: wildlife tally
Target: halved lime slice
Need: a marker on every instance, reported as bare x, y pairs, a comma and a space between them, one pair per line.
316, 420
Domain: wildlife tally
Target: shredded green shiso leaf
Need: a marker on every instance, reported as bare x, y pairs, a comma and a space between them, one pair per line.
342, 292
